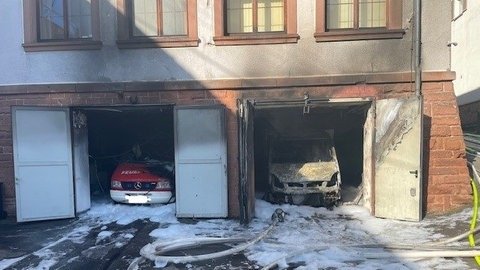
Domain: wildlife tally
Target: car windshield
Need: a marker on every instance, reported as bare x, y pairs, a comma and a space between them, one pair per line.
302, 151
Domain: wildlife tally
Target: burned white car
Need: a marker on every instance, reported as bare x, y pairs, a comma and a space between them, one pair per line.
304, 171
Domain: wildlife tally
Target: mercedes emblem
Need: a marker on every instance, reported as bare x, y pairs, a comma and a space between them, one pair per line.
137, 185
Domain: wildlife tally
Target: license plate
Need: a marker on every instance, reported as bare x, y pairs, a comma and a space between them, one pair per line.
137, 199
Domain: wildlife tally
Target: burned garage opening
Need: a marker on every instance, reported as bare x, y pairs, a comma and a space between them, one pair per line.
309, 155
131, 153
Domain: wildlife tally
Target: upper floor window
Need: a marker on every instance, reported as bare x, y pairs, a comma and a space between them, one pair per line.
157, 23
243, 22
159, 18
358, 19
255, 16
350, 14
61, 25
65, 19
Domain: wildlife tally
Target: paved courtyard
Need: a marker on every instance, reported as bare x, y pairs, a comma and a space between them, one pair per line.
110, 236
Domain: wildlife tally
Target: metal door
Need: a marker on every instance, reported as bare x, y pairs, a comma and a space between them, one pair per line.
398, 159
200, 162
43, 163
247, 170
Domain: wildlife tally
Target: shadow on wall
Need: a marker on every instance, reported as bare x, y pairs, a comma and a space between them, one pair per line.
182, 97
427, 127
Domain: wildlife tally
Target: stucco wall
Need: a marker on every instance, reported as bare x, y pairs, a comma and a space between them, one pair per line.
466, 54
212, 62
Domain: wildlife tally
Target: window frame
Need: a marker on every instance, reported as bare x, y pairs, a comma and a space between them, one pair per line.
392, 30
464, 8
126, 39
222, 38
33, 43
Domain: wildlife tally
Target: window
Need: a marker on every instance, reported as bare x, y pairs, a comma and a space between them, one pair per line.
61, 25
157, 23
458, 8
244, 22
255, 16
358, 19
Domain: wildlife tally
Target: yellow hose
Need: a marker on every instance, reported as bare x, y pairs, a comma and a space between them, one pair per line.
473, 222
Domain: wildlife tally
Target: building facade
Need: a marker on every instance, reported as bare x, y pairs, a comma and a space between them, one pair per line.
464, 49
295, 67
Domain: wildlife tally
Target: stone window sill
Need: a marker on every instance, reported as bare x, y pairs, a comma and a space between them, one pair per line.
348, 35
158, 42
256, 39
62, 45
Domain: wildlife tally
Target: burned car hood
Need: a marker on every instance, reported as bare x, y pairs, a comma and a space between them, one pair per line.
304, 172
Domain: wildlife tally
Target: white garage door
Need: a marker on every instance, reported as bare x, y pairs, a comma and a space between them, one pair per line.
200, 162
43, 163
398, 163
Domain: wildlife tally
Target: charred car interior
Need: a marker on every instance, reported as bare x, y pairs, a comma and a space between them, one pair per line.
304, 170
312, 157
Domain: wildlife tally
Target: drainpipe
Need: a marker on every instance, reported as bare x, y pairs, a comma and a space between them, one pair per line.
417, 10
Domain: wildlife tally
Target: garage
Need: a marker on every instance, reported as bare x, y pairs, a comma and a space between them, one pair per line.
127, 135
85, 145
290, 130
374, 145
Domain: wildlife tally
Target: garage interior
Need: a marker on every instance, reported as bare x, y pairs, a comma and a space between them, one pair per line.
345, 120
126, 134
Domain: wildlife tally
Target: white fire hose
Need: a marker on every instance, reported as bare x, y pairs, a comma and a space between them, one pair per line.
160, 248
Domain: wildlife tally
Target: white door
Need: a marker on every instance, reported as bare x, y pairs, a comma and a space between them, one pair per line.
43, 163
398, 159
200, 162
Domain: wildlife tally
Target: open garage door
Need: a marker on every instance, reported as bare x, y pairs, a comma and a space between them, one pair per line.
247, 162
43, 163
80, 162
265, 124
398, 159
200, 162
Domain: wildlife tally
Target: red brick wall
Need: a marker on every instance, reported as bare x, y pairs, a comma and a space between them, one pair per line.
446, 185
200, 97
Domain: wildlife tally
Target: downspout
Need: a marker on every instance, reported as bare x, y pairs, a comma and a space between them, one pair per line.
417, 10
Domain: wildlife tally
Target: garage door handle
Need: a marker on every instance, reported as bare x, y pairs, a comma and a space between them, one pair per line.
414, 172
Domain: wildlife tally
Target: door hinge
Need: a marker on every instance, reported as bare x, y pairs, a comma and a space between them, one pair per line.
306, 104
241, 110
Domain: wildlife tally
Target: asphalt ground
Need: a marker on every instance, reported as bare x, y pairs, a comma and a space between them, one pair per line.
27, 239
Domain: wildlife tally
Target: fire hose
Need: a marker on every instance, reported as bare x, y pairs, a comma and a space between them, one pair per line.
160, 249
155, 251
432, 250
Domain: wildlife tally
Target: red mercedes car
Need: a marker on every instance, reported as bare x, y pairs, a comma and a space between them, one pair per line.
142, 182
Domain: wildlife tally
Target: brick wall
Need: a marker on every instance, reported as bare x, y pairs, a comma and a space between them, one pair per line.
107, 98
448, 185
445, 173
